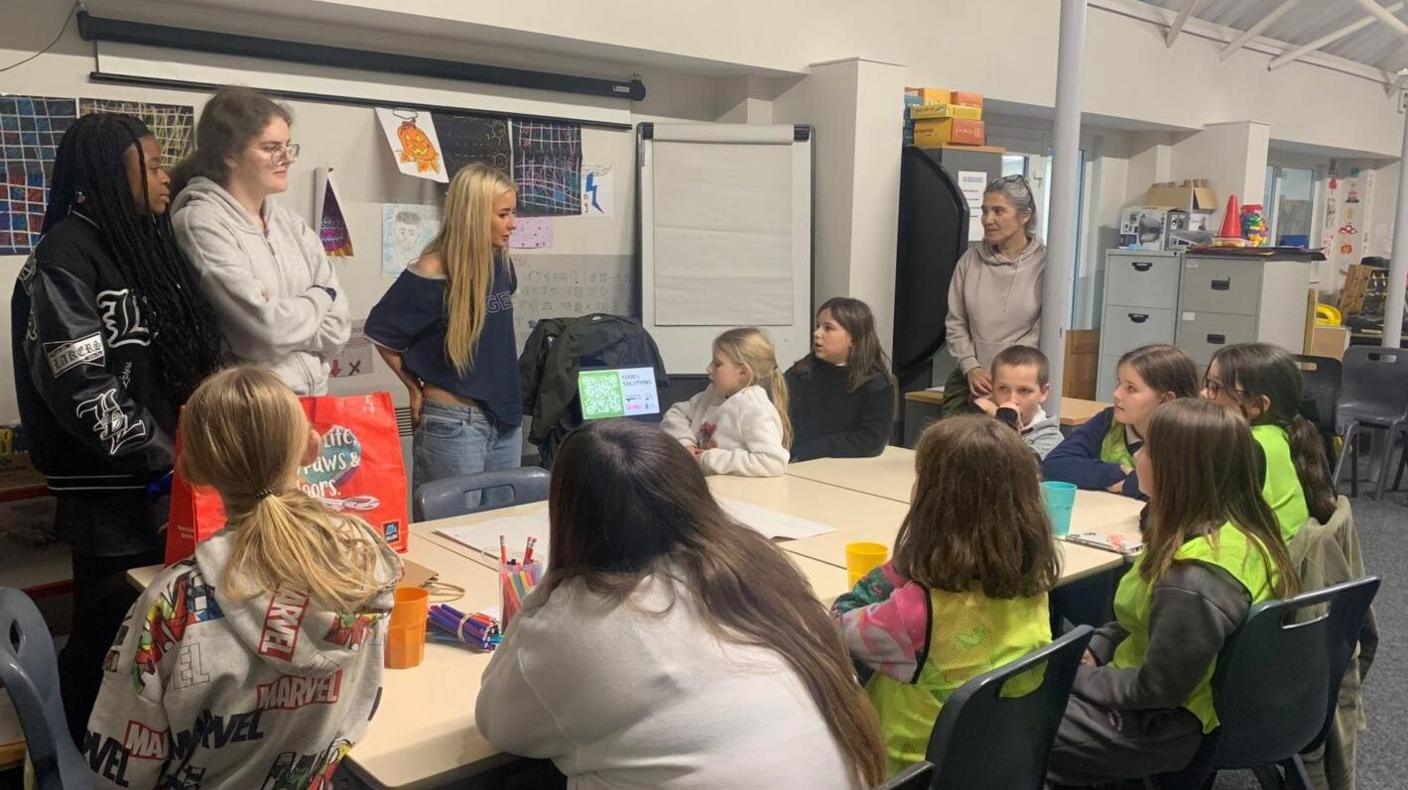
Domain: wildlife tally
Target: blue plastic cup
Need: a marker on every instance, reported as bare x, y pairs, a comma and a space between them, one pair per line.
1059, 498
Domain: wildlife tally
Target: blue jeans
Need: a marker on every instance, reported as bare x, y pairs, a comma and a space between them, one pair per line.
454, 440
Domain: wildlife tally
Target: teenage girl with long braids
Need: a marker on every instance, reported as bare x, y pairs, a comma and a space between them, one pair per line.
110, 336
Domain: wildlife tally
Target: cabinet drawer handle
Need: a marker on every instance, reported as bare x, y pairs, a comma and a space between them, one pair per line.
1217, 340
1222, 284
1138, 318
1142, 266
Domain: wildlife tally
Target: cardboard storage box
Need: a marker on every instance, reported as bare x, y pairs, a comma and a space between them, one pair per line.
967, 98
948, 131
935, 111
931, 95
1191, 195
1143, 228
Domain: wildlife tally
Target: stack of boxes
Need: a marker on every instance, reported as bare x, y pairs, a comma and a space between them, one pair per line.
935, 117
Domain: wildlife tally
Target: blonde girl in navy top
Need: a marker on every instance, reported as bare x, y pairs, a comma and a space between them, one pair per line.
445, 328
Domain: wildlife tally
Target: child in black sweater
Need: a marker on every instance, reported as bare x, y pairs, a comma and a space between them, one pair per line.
843, 398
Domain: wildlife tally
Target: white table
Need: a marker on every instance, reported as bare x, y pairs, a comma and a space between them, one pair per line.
424, 732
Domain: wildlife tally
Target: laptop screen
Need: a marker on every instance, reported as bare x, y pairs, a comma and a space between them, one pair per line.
606, 393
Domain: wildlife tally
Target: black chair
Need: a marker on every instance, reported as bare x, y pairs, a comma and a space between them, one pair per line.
1374, 396
1276, 685
458, 496
919, 776
984, 740
30, 674
1324, 377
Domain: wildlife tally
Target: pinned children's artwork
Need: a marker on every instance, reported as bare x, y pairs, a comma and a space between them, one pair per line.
598, 191
406, 229
355, 358
327, 211
414, 143
532, 233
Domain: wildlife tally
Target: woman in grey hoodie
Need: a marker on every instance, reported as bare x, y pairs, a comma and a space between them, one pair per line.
994, 298
275, 296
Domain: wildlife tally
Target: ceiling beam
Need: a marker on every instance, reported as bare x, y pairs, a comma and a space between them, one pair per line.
1392, 83
1256, 29
1189, 6
1328, 39
1385, 16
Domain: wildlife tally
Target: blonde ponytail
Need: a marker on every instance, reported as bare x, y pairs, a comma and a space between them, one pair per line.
776, 387
244, 433
750, 347
465, 246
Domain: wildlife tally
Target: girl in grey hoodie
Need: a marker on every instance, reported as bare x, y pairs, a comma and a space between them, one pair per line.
258, 662
994, 298
262, 267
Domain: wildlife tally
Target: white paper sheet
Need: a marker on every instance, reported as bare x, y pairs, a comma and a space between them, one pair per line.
414, 144
772, 524
484, 536
598, 191
723, 235
406, 229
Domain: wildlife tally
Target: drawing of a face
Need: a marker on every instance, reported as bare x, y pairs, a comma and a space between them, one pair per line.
407, 232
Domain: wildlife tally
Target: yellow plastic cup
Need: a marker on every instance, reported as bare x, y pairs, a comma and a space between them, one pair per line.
863, 557
405, 637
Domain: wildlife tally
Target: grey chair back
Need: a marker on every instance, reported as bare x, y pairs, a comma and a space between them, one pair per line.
29, 673
458, 496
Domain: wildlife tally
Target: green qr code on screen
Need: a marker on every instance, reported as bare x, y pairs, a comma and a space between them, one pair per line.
601, 396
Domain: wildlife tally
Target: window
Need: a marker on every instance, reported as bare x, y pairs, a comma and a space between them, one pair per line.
1290, 203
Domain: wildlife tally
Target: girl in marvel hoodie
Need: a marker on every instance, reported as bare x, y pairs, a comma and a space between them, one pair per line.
256, 663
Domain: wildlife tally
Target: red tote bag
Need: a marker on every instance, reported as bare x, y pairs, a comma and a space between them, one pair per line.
359, 472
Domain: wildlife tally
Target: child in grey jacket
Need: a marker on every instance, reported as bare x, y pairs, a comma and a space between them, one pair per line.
1020, 384
256, 663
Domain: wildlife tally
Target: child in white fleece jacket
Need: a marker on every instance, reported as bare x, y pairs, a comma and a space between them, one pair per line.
739, 425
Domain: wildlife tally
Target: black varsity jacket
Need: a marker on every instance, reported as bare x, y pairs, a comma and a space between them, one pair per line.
95, 408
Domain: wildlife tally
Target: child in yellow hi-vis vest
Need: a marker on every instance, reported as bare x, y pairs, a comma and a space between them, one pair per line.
966, 590
1264, 384
1142, 698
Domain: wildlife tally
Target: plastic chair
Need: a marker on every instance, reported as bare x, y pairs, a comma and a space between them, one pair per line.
30, 674
1324, 377
985, 740
458, 496
919, 776
1375, 396
1276, 685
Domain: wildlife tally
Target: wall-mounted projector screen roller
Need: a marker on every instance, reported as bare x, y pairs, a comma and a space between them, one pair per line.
726, 236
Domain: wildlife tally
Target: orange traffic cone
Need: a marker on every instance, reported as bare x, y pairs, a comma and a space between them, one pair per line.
1231, 233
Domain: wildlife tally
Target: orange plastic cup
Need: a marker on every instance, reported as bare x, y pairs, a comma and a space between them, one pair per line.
405, 639
863, 557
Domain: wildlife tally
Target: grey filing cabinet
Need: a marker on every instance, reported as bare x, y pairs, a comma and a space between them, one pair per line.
1226, 299
1140, 306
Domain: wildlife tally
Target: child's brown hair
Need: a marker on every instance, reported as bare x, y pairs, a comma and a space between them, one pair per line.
1205, 476
977, 517
1020, 356
1165, 368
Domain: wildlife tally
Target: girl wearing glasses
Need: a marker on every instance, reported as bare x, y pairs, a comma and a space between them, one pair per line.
275, 296
994, 298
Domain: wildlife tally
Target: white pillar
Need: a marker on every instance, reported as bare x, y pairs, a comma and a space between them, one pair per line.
1065, 194
1398, 264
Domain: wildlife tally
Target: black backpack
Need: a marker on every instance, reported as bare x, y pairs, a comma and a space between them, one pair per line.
557, 349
